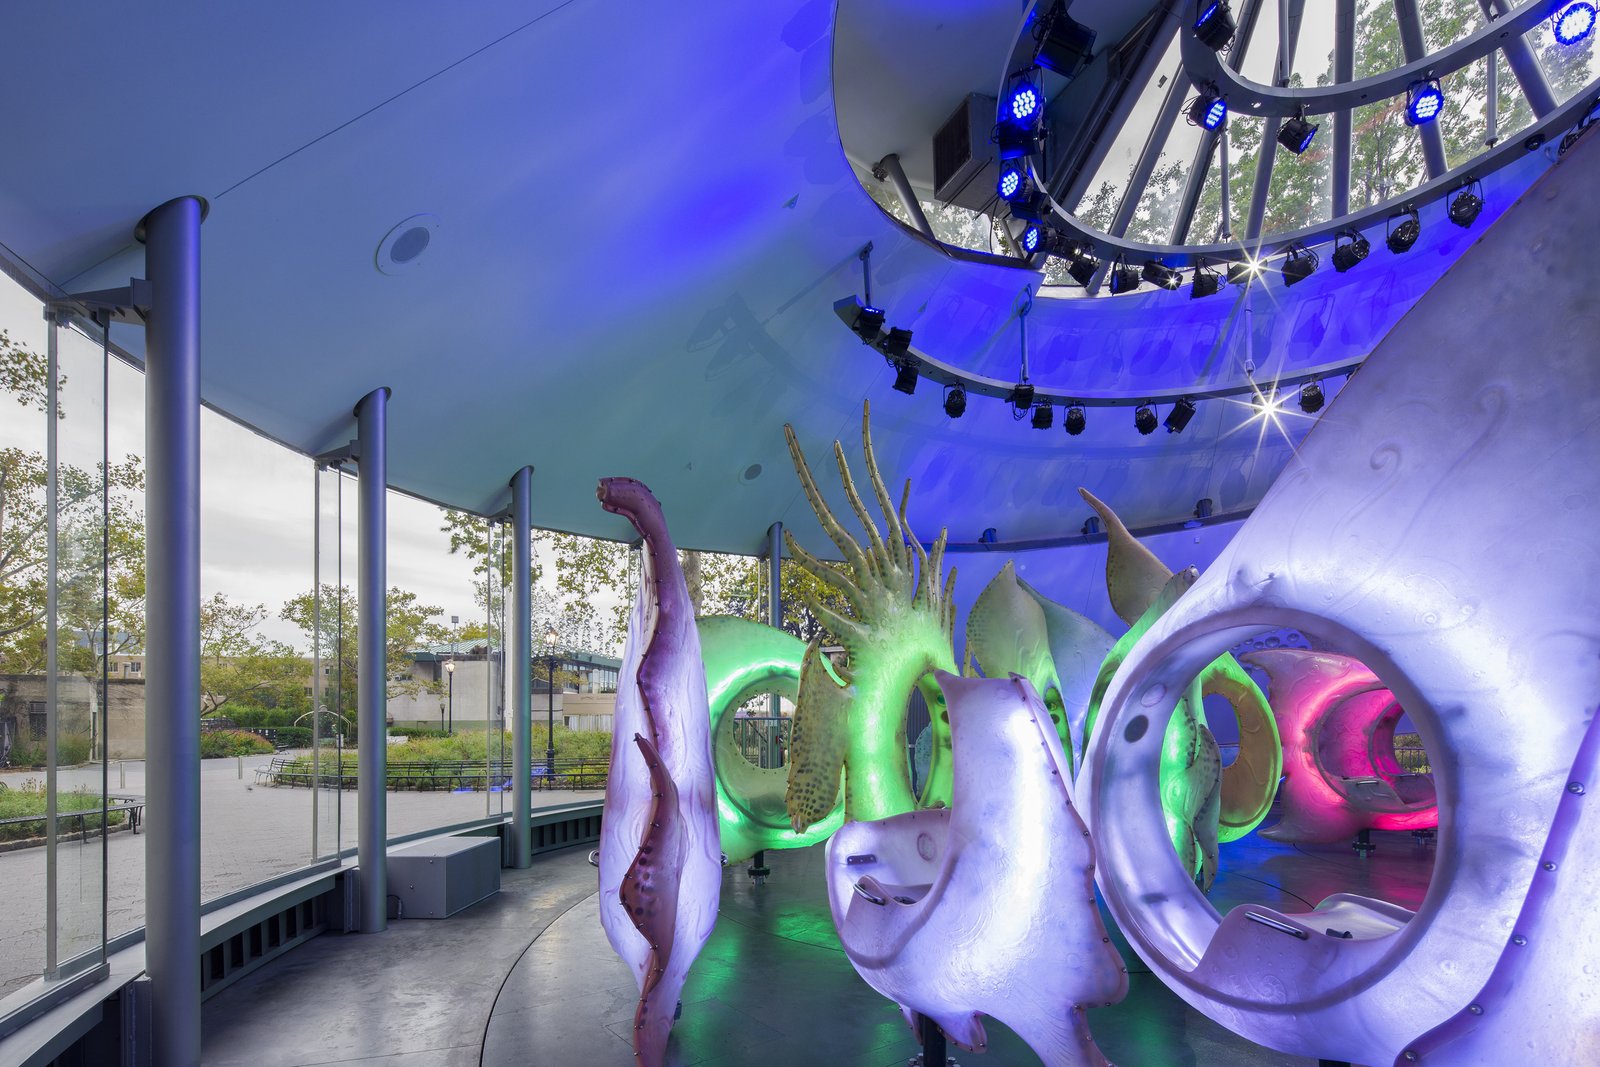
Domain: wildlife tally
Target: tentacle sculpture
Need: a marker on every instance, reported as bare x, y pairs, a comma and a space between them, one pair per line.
899, 631
987, 908
744, 659
1135, 578
660, 864
1340, 776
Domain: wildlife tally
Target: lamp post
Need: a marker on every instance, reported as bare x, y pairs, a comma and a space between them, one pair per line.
550, 636
450, 669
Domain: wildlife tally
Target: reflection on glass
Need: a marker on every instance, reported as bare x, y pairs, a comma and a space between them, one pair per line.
330, 715
1567, 68
1244, 146
1103, 194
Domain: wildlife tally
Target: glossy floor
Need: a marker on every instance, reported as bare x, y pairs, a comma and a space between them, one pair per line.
528, 979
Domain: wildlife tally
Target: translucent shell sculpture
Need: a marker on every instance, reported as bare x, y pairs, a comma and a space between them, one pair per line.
660, 862
988, 907
1438, 524
898, 633
1340, 775
744, 659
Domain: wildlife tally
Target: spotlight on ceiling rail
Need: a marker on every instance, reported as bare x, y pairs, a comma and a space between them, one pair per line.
1043, 415
1158, 273
1424, 101
868, 324
1400, 238
1065, 45
1091, 526
1296, 133
1208, 111
905, 376
1299, 264
1144, 419
1082, 266
1243, 270
1014, 182
1464, 206
1311, 398
1124, 279
1074, 421
1206, 282
895, 343
955, 400
1180, 415
1023, 105
1021, 399
1353, 251
1031, 239
1214, 24
1574, 22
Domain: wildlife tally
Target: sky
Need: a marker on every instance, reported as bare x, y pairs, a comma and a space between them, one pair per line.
256, 496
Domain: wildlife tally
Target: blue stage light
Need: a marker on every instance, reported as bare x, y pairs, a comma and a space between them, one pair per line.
1014, 183
1215, 114
1296, 134
1424, 102
1574, 22
1024, 105
1032, 237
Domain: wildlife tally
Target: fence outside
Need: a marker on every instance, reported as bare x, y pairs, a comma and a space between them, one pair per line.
451, 775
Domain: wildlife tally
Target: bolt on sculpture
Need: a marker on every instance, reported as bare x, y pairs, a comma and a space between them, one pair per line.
853, 720
987, 907
660, 865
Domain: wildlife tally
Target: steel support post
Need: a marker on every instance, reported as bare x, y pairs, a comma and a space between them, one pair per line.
522, 668
372, 671
171, 235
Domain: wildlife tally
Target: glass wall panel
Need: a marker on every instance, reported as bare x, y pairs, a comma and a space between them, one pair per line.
1104, 192
1568, 68
332, 709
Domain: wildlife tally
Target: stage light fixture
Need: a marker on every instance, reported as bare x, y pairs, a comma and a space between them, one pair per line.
1014, 183
1243, 270
1214, 25
1091, 526
1043, 415
1206, 282
1031, 238
1311, 397
1574, 22
1400, 238
1464, 206
1353, 251
1180, 415
1158, 273
905, 376
1124, 279
868, 324
1065, 45
1024, 104
1021, 399
1265, 402
955, 401
1208, 112
895, 343
1424, 101
1299, 264
1082, 267
1074, 421
1296, 134
1144, 419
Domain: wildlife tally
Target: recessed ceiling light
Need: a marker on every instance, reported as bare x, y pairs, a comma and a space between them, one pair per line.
402, 247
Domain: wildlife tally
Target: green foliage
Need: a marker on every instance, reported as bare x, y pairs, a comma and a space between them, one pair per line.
215, 744
410, 624
71, 750
237, 664
410, 764
30, 798
736, 585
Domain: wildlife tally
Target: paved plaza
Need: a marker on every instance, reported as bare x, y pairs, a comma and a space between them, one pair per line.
249, 832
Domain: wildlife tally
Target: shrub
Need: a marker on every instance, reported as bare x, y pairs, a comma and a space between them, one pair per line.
30, 799
71, 749
218, 743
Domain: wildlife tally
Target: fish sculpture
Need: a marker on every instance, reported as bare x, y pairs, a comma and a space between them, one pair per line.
660, 862
987, 907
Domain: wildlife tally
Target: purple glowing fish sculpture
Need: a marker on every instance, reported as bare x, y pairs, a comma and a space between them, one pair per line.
986, 907
660, 863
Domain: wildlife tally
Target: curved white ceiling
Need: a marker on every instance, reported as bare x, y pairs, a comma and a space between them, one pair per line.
643, 224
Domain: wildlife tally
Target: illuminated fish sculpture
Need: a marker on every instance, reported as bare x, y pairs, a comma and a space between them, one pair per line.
660, 862
987, 907
853, 720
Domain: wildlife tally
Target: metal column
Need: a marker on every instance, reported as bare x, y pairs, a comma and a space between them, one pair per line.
889, 169
522, 668
775, 595
372, 671
171, 235
1289, 15
1523, 63
1412, 44
1344, 65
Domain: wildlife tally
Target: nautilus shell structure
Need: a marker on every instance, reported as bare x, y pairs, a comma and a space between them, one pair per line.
1435, 526
1340, 774
744, 659
899, 632
986, 907
660, 862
